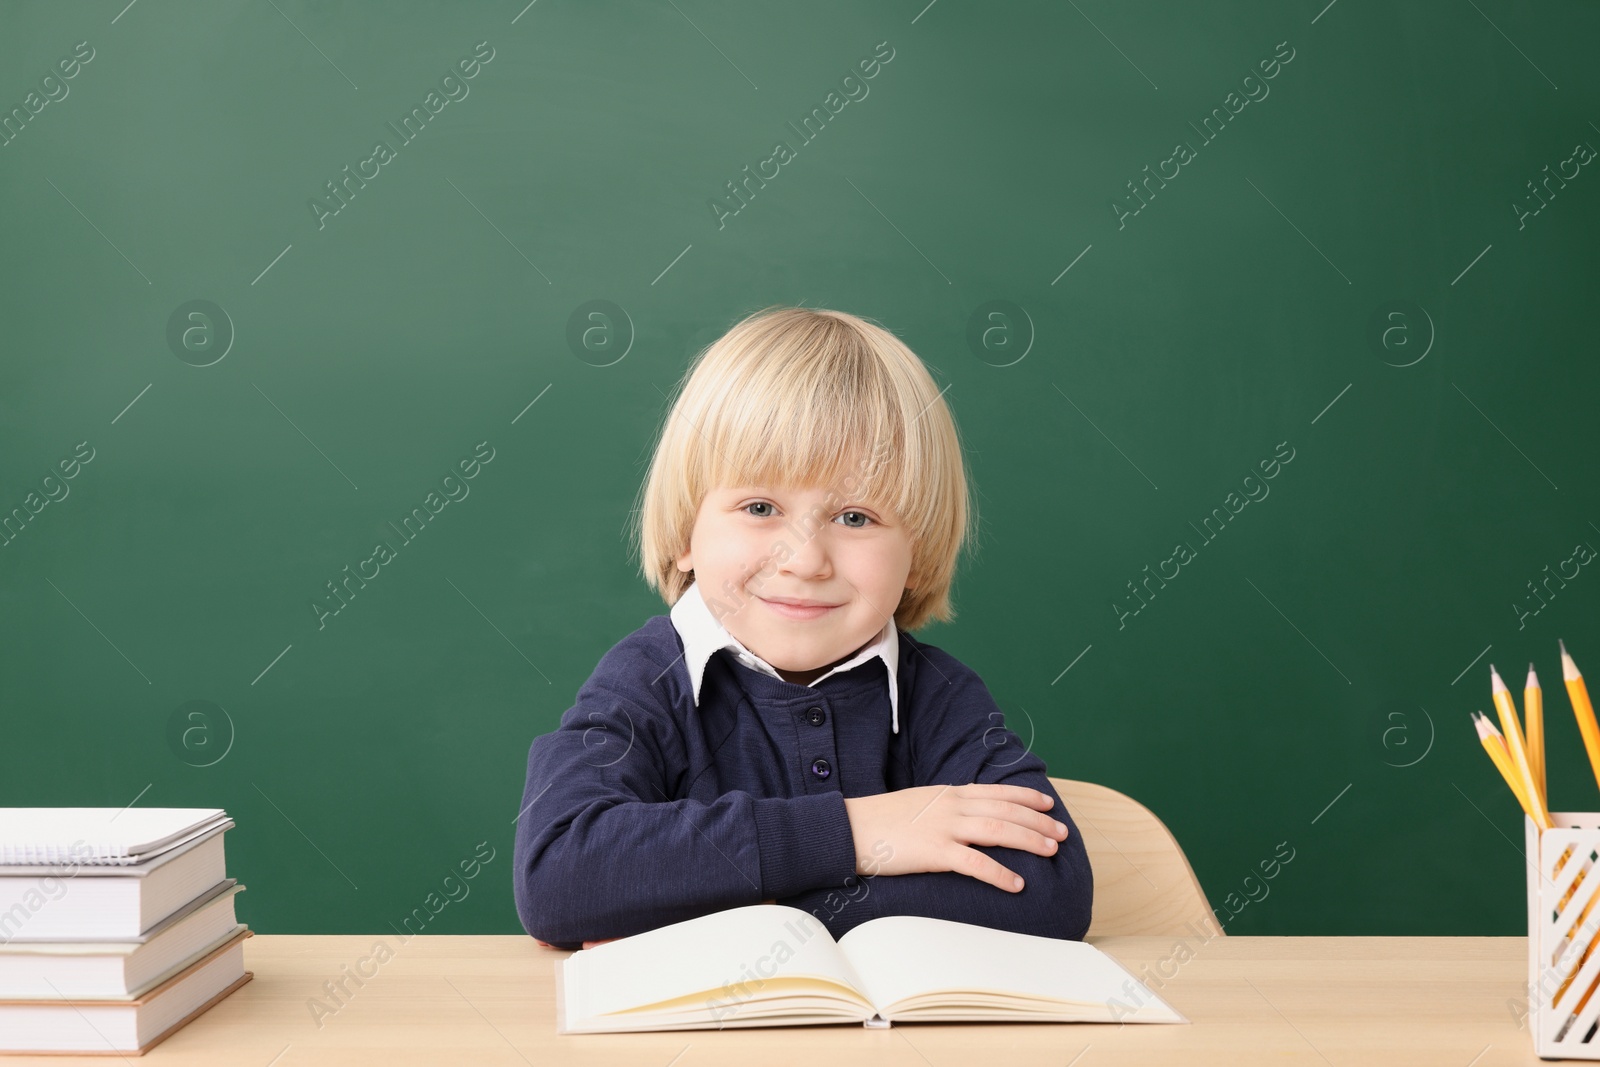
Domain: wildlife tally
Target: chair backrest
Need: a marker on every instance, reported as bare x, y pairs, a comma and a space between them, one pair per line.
1143, 883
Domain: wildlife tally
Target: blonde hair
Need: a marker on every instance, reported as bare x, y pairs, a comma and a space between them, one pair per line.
812, 398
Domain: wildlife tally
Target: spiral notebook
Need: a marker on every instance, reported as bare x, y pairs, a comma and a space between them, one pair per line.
98, 836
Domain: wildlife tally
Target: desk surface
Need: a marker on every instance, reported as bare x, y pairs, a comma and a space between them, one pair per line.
1417, 1001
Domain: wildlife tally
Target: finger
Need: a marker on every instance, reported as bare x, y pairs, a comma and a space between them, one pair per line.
1017, 813
971, 862
989, 830
1016, 794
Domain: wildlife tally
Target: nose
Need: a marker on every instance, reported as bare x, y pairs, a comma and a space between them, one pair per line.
808, 557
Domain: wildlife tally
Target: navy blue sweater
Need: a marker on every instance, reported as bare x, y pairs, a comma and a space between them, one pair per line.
642, 810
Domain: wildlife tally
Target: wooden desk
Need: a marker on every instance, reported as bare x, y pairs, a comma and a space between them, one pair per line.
1321, 1001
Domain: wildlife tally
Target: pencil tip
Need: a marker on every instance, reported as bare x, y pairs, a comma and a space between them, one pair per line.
1569, 669
1563, 645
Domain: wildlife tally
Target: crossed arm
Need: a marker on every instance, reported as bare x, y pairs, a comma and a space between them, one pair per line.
602, 853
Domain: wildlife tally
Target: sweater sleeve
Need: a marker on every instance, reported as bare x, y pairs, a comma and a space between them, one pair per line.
606, 846
962, 738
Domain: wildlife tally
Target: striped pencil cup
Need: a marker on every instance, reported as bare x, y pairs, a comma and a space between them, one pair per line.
1564, 936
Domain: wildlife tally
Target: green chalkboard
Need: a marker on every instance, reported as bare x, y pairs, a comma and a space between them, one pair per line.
278, 276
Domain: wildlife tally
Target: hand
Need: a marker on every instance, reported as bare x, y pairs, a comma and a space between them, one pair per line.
929, 828
592, 944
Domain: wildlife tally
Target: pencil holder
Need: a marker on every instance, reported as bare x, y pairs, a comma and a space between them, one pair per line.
1564, 936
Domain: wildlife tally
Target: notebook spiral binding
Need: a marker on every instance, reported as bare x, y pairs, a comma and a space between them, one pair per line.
1563, 1006
59, 855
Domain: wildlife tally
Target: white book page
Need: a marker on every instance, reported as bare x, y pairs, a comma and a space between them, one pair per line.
902, 956
710, 955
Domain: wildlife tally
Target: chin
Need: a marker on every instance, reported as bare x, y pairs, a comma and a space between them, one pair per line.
800, 660
799, 664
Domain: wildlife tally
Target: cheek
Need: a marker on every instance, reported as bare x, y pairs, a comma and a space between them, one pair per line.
882, 567
733, 552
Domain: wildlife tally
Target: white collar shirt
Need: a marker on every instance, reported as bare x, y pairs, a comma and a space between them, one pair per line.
703, 636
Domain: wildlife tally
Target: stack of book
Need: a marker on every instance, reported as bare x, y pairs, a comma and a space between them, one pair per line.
116, 927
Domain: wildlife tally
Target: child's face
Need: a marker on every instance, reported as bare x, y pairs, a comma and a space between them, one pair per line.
752, 545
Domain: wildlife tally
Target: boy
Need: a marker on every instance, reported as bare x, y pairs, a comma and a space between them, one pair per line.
779, 737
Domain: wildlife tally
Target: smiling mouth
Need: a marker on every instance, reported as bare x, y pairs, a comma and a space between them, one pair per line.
798, 611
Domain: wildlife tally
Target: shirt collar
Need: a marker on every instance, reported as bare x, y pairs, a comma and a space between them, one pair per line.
703, 636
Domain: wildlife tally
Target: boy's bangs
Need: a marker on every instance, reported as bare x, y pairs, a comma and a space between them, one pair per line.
822, 443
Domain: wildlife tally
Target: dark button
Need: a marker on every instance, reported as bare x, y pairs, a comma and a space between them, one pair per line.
820, 768
816, 716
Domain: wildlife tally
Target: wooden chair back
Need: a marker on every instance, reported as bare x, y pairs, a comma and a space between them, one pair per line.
1143, 883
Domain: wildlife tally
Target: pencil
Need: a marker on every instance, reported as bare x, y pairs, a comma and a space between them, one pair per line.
1578, 693
1584, 712
1516, 747
1497, 754
1583, 957
1494, 744
1533, 712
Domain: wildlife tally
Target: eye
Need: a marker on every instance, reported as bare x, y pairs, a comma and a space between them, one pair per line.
863, 516
757, 504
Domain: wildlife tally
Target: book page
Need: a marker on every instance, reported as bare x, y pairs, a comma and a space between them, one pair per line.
903, 956
728, 959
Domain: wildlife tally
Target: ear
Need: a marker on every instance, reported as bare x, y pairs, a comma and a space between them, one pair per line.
685, 562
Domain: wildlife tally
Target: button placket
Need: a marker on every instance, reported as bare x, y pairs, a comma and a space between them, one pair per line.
816, 734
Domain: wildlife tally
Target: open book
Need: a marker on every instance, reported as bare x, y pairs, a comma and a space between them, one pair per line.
771, 965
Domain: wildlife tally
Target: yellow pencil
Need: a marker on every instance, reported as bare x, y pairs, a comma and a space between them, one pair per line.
1516, 747
1578, 693
1497, 754
1566, 940
1494, 744
1584, 711
1533, 711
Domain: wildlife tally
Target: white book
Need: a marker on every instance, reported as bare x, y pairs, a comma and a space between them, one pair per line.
772, 965
95, 836
128, 969
83, 903
127, 1025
